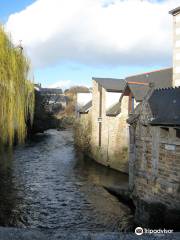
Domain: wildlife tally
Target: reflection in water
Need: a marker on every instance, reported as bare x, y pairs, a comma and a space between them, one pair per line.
8, 198
99, 174
48, 185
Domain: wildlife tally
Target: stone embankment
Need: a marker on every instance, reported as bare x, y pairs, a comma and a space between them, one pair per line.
123, 194
148, 215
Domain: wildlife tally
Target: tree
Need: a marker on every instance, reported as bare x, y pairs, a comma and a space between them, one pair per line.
16, 91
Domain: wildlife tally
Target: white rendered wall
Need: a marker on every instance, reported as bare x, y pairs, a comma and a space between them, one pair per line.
112, 98
176, 50
82, 99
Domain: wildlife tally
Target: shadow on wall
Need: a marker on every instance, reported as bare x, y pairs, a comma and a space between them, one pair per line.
116, 160
114, 155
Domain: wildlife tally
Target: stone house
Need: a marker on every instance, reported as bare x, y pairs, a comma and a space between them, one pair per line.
136, 88
109, 141
112, 102
154, 157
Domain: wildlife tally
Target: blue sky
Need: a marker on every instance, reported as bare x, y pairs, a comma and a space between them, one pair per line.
76, 49
12, 6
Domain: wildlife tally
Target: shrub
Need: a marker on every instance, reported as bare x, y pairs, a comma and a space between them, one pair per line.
82, 135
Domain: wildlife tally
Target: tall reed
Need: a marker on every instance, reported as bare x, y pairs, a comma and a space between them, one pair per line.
16, 92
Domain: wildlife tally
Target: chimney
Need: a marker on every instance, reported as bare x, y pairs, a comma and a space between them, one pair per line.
176, 46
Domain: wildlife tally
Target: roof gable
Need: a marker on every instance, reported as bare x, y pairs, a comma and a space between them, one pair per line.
86, 107
111, 84
138, 84
175, 11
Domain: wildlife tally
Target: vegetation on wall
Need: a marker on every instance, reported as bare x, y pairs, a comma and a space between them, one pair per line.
16, 91
82, 134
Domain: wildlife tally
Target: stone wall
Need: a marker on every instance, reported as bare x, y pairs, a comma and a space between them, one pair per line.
113, 150
82, 132
154, 166
157, 169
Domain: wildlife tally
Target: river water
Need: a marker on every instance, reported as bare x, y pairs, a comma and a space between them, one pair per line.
47, 185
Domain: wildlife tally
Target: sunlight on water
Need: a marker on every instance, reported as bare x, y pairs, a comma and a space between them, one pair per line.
46, 184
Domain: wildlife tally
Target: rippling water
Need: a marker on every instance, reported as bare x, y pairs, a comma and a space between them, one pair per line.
46, 184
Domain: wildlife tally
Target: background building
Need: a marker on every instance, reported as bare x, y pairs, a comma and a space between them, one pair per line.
176, 46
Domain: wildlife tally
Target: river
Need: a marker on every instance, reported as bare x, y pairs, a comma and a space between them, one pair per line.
47, 185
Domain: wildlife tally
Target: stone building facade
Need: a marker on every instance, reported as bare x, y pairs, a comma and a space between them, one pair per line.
109, 140
154, 157
112, 101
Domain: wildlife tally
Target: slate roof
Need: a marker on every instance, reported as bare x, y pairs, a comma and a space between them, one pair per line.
58, 98
175, 11
161, 79
86, 107
51, 90
111, 84
165, 106
114, 110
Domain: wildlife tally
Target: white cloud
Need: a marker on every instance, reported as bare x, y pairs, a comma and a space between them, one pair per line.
61, 84
117, 32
